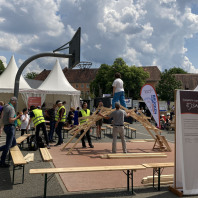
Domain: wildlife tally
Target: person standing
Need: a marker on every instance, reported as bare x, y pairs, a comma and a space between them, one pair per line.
118, 91
36, 115
118, 126
84, 112
60, 119
51, 115
10, 122
1, 117
99, 122
70, 117
24, 122
76, 116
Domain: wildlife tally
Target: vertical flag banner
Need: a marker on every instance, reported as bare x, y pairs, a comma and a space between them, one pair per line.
149, 96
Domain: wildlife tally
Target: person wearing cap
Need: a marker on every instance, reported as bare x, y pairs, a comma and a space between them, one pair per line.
118, 91
60, 119
10, 122
84, 112
118, 126
36, 115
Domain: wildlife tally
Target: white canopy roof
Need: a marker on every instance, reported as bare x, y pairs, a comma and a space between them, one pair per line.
56, 82
7, 78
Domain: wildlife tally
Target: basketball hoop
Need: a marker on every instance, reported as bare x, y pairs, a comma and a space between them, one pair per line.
84, 65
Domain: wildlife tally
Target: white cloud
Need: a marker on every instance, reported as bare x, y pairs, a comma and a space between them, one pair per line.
143, 32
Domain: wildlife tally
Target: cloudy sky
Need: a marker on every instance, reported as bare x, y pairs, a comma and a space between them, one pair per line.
143, 32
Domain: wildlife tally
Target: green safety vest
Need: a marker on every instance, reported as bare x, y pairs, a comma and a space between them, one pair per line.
64, 115
84, 114
38, 117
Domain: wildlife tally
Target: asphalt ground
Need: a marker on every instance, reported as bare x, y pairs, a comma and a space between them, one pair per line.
33, 185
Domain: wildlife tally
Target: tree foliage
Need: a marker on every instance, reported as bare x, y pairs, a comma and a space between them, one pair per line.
2, 67
133, 77
31, 75
168, 84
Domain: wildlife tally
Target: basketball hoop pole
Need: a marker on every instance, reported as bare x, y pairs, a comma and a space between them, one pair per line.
18, 75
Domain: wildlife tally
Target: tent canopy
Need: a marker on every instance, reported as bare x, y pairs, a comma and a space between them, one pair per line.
7, 78
57, 83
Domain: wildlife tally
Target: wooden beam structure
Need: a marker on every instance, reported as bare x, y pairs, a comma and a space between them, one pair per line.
160, 141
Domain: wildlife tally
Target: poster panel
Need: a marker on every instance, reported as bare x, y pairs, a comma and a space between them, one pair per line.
36, 101
149, 96
188, 136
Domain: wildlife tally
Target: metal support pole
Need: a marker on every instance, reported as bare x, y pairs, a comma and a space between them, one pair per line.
45, 186
159, 179
18, 75
132, 181
127, 180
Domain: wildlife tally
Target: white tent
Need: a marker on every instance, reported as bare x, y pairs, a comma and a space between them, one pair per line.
7, 81
57, 87
7, 78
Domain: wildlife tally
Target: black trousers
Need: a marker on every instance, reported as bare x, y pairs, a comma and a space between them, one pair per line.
43, 126
88, 138
23, 131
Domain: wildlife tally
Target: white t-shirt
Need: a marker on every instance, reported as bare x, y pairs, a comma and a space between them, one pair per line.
25, 123
118, 84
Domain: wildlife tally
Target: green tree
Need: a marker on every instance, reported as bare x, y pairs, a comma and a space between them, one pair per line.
2, 67
168, 84
31, 75
133, 77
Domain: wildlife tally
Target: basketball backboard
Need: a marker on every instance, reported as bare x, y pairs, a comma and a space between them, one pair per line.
74, 49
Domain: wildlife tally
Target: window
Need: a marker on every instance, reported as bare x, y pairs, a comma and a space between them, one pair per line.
87, 85
76, 85
82, 85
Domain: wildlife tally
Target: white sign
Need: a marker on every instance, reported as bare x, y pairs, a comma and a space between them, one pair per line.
150, 98
186, 162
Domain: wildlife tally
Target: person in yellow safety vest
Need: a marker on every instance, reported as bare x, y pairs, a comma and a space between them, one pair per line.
36, 115
60, 119
82, 113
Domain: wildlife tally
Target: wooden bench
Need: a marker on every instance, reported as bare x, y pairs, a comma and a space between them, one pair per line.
46, 156
128, 168
18, 160
157, 170
66, 130
110, 128
21, 139
133, 130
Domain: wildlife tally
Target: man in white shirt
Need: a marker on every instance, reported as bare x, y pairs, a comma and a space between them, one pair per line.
118, 91
24, 122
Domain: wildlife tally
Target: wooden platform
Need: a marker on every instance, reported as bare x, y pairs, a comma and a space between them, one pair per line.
133, 155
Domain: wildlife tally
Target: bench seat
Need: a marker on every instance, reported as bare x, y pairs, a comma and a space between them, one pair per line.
18, 160
46, 156
128, 168
157, 170
20, 139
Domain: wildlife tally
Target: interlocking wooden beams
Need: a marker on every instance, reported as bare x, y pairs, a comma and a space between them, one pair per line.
133, 155
86, 126
46, 155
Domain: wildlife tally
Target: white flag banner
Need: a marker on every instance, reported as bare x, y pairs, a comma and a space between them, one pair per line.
149, 96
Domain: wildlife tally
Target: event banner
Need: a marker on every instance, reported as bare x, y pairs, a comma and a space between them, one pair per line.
36, 101
187, 141
150, 98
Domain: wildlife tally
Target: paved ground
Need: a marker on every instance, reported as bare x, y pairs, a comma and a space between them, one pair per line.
33, 185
